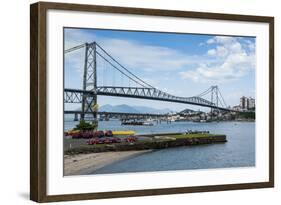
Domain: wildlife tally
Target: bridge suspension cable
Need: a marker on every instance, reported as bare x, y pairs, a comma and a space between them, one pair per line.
141, 90
217, 96
74, 48
124, 67
125, 71
205, 92
224, 103
118, 69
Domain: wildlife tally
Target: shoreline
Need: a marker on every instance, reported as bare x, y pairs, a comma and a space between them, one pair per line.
80, 164
151, 142
87, 158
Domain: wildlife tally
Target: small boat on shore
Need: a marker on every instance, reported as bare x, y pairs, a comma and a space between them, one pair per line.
137, 123
148, 123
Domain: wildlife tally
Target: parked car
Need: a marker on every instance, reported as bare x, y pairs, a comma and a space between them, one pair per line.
92, 141
98, 134
131, 138
116, 139
104, 140
108, 133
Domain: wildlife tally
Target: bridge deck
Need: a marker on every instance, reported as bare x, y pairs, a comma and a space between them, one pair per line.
115, 113
75, 96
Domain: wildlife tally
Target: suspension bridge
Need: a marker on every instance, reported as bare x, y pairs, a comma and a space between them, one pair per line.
124, 83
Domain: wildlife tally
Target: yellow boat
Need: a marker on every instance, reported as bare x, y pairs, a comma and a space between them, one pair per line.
73, 131
123, 132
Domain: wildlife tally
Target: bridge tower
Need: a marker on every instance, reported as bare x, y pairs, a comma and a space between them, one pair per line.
90, 82
214, 98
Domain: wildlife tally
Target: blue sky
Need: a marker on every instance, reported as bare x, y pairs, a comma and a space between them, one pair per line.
180, 64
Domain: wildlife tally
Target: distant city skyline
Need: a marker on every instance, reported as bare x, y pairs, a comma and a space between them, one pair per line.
180, 64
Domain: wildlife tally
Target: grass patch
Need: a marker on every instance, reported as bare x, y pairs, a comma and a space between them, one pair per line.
98, 145
186, 136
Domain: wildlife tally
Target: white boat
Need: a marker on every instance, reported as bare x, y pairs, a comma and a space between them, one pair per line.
147, 123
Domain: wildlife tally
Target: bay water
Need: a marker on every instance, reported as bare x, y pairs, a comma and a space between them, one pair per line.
238, 151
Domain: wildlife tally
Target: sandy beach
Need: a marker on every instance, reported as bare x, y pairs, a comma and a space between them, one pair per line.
86, 163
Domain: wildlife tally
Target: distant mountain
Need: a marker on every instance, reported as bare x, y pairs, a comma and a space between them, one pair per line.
118, 108
132, 109
152, 110
186, 111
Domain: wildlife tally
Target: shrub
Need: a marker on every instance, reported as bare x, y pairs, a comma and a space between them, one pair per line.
86, 126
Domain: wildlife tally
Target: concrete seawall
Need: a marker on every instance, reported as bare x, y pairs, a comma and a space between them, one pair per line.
145, 145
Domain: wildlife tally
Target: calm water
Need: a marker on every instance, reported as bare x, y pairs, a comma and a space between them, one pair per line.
239, 151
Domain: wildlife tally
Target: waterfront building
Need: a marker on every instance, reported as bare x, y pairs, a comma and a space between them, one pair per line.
244, 103
251, 103
237, 108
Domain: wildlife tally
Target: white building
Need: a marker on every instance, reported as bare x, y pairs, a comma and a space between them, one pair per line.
247, 103
251, 103
244, 103
237, 108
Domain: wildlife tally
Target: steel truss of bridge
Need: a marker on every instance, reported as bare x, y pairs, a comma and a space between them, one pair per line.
76, 95
87, 96
117, 113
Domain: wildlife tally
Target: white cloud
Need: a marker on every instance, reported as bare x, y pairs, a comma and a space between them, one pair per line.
229, 58
145, 57
132, 54
212, 52
75, 37
230, 61
219, 51
210, 41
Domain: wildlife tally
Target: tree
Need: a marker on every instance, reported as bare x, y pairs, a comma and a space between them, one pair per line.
86, 126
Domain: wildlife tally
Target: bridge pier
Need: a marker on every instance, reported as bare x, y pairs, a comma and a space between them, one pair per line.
76, 118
